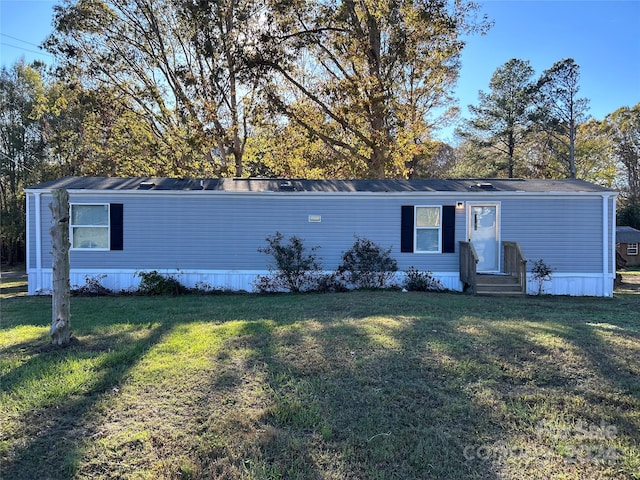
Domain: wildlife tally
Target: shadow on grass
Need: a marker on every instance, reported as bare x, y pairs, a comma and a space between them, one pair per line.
55, 427
346, 405
364, 385
420, 400
614, 355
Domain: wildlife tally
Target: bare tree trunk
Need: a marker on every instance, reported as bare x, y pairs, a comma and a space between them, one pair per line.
60, 300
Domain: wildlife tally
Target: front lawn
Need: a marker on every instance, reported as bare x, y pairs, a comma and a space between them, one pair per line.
360, 385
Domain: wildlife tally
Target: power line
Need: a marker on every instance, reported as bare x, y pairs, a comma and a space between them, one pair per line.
40, 51
19, 40
26, 49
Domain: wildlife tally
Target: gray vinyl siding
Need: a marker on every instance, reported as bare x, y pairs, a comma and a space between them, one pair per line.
564, 232
224, 231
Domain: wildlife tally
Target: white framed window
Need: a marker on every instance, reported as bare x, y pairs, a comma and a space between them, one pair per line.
632, 249
428, 224
89, 226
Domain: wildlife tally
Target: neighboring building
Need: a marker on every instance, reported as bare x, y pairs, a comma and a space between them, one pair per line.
210, 230
627, 244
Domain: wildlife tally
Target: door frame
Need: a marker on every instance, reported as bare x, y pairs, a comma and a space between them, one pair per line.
498, 229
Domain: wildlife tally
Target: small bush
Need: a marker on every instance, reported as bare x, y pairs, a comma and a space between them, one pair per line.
92, 287
417, 281
205, 288
367, 265
296, 270
330, 282
541, 272
154, 283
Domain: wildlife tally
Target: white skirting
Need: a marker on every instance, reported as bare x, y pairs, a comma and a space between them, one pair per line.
575, 284
119, 280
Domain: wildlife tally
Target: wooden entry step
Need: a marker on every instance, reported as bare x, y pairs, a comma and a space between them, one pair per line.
497, 284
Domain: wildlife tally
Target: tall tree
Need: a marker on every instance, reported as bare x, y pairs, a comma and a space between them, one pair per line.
623, 126
471, 161
594, 155
561, 111
502, 118
178, 65
279, 148
594, 158
22, 149
96, 132
366, 77
435, 160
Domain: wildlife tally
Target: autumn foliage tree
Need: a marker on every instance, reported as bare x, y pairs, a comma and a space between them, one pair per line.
623, 126
177, 65
22, 150
366, 78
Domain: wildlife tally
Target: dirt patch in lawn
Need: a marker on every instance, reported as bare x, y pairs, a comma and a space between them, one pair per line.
630, 283
13, 284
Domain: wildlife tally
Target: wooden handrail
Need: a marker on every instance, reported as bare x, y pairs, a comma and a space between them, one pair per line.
515, 264
468, 262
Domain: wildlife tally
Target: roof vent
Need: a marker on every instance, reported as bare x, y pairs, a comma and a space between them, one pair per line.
484, 185
286, 186
146, 185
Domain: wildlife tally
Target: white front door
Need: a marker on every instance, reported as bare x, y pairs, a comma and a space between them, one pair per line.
484, 234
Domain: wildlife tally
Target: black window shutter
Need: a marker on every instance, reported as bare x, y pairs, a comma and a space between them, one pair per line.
406, 229
117, 226
448, 229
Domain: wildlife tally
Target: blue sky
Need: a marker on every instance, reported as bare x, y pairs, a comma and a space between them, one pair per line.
603, 37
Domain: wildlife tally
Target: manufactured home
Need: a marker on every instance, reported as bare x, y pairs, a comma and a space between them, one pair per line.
627, 242
470, 233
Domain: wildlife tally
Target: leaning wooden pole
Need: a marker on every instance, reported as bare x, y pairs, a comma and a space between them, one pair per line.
60, 300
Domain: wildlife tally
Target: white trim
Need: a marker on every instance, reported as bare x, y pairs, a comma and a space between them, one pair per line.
412, 194
416, 227
38, 232
498, 206
608, 245
27, 250
613, 235
605, 235
107, 226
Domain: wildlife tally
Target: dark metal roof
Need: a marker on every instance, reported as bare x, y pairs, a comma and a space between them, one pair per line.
292, 185
627, 235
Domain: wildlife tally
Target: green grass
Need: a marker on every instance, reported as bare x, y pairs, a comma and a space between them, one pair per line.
366, 385
14, 286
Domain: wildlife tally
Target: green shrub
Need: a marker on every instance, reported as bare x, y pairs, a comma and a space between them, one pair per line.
367, 265
295, 269
154, 283
92, 287
330, 282
417, 281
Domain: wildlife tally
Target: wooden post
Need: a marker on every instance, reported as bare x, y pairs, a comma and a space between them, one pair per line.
60, 300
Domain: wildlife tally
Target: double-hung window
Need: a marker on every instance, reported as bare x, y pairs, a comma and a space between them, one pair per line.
90, 226
632, 249
428, 224
428, 229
